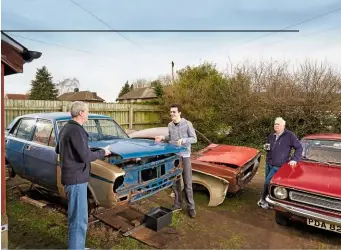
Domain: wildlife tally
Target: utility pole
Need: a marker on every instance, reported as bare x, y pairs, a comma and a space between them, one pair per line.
172, 72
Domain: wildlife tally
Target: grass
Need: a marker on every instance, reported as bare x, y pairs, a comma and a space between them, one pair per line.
178, 219
238, 202
234, 241
261, 169
32, 227
129, 243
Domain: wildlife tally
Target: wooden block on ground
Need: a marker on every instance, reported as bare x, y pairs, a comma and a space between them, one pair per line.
159, 239
136, 223
36, 203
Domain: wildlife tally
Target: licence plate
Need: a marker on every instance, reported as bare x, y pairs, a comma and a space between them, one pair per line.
324, 225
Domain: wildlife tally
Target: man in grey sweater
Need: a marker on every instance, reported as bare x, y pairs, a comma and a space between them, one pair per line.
182, 133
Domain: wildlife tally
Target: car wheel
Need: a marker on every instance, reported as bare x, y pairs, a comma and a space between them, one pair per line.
11, 172
281, 219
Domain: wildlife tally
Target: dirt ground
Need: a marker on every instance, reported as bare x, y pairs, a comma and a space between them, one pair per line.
237, 223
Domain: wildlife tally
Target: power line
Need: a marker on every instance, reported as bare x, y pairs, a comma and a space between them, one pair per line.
152, 31
60, 46
304, 35
53, 44
103, 22
291, 26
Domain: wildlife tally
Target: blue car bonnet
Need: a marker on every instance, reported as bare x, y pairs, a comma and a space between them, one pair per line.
136, 148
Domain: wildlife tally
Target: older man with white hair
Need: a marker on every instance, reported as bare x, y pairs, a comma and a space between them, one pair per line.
75, 159
278, 147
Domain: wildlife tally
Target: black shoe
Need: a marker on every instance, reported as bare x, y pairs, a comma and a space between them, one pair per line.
176, 208
192, 213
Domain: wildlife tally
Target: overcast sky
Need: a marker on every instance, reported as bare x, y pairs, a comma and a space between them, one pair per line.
107, 60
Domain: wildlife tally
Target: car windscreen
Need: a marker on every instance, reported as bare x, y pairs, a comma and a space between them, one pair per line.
322, 150
100, 129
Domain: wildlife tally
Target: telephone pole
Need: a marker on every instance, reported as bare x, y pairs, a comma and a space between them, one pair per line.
172, 71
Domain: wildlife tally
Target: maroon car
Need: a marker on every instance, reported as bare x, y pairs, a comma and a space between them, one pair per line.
311, 191
219, 168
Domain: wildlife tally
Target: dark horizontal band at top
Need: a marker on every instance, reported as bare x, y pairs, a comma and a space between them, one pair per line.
153, 31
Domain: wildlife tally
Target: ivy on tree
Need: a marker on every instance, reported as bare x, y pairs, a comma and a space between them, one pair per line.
42, 86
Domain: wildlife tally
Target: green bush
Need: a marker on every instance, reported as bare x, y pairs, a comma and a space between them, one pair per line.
239, 107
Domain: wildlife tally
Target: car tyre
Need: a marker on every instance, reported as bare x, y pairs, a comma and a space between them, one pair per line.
11, 172
281, 219
92, 206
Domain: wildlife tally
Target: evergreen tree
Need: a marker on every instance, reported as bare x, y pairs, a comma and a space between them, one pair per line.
125, 89
42, 86
158, 88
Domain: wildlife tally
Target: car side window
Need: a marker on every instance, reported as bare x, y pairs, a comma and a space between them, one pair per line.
42, 132
60, 125
24, 130
52, 140
13, 131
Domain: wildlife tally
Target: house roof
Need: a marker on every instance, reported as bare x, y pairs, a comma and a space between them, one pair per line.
17, 96
80, 96
139, 93
14, 54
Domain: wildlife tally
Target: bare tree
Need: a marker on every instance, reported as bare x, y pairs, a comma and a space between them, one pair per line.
165, 80
141, 83
67, 85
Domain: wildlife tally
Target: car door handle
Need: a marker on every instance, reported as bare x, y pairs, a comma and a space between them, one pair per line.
28, 147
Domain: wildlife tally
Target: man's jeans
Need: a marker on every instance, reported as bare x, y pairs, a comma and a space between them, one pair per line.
270, 171
77, 214
187, 178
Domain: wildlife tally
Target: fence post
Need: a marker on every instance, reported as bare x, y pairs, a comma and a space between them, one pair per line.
64, 108
131, 116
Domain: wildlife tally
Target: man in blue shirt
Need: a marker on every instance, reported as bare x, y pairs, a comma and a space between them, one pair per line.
278, 147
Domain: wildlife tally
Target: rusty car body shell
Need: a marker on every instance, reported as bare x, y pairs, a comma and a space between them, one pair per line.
136, 169
221, 169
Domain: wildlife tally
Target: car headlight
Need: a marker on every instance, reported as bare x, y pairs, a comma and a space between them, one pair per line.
280, 193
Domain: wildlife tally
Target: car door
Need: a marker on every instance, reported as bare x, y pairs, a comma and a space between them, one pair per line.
40, 158
15, 142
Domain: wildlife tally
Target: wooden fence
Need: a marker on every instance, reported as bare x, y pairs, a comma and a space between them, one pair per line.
129, 116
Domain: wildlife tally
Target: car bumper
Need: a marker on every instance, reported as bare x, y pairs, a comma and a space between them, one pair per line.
304, 212
155, 186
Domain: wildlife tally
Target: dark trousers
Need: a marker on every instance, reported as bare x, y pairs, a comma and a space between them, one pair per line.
187, 178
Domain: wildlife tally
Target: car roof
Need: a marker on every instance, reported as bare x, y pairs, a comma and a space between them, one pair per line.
326, 136
149, 132
61, 116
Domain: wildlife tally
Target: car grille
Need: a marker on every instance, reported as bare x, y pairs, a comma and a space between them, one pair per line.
328, 203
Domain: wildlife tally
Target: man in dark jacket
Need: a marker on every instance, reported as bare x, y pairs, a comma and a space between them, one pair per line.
278, 149
75, 157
